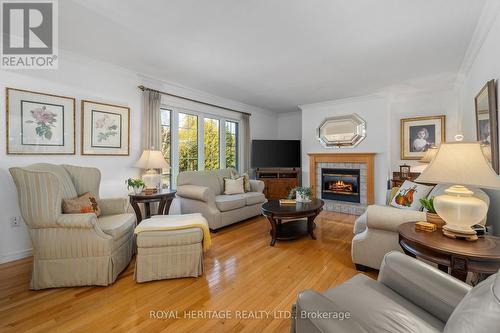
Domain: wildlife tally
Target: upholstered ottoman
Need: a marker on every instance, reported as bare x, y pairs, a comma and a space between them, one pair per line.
167, 254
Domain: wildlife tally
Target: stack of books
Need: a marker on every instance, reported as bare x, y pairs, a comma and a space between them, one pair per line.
287, 202
425, 226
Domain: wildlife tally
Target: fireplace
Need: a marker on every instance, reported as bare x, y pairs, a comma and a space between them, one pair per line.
340, 184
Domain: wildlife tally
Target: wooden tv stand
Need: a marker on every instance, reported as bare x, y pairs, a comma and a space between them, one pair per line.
278, 182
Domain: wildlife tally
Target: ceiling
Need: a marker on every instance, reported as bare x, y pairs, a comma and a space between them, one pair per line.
275, 54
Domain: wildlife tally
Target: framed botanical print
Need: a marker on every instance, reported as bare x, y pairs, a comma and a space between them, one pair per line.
105, 129
419, 134
39, 124
487, 123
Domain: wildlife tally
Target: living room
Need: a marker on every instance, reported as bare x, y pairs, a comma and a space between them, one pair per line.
234, 131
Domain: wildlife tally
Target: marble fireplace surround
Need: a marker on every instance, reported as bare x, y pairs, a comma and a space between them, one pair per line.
362, 161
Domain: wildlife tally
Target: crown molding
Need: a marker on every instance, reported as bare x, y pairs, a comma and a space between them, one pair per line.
486, 20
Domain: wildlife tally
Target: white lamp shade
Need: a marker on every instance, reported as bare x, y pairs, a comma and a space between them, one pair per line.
460, 163
152, 159
429, 155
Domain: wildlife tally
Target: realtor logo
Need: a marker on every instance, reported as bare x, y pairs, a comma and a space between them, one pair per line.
29, 34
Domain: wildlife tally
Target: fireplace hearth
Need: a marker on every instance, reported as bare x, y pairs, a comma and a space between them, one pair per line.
340, 184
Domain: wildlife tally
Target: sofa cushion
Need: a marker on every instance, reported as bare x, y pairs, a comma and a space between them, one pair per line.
253, 198
381, 309
409, 195
116, 225
229, 202
479, 309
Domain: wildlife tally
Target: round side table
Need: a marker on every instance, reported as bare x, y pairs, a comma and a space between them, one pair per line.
481, 256
163, 197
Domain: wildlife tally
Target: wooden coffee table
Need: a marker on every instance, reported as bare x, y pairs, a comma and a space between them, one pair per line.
481, 256
291, 221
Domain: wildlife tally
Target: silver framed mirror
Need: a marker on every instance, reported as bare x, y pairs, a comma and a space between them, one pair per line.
342, 131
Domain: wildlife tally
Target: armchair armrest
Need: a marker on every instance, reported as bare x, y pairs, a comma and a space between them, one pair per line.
310, 304
422, 284
389, 218
83, 221
196, 192
257, 185
113, 206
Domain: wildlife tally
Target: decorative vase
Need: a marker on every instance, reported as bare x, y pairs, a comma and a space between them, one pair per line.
138, 189
299, 197
435, 219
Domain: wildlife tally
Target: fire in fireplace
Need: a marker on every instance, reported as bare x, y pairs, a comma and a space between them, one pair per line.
340, 184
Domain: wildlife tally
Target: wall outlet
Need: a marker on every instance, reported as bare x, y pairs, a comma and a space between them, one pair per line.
15, 221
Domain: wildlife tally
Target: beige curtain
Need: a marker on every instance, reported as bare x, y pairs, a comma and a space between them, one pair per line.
246, 142
151, 128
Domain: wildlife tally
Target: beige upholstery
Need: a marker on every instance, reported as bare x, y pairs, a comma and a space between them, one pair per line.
202, 192
72, 249
169, 254
376, 231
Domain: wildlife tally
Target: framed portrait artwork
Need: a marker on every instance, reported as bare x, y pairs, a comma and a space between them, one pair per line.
487, 122
105, 129
419, 134
39, 124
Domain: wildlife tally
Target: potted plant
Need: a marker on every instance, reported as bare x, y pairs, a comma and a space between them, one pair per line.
136, 184
301, 194
431, 215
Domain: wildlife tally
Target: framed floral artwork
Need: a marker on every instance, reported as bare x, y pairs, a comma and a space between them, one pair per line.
39, 123
105, 129
419, 134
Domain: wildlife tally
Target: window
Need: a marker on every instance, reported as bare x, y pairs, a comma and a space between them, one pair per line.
211, 144
231, 144
166, 145
188, 142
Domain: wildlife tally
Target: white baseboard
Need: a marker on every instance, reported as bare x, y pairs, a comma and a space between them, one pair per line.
15, 255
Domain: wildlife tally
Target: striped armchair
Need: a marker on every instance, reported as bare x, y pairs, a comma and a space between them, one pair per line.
72, 249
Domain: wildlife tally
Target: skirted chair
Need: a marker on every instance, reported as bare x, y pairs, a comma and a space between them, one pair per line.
72, 249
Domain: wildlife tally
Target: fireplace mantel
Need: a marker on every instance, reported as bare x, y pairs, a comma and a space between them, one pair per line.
366, 158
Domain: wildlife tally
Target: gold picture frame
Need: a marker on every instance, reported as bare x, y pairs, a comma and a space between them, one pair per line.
39, 123
420, 133
105, 129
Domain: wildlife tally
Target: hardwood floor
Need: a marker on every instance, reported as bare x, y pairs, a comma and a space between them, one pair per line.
242, 273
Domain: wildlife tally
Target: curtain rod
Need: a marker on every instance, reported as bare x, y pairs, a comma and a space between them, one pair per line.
141, 87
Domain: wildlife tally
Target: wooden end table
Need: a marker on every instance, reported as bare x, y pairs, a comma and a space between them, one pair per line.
303, 215
481, 256
163, 197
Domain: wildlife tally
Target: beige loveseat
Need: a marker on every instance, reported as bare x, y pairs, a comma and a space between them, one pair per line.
203, 192
72, 249
376, 231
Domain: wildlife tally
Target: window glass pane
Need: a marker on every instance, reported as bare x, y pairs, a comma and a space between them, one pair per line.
188, 142
231, 144
166, 145
211, 144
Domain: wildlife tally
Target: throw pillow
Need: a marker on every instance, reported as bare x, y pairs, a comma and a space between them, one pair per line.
85, 203
394, 191
233, 186
246, 179
409, 195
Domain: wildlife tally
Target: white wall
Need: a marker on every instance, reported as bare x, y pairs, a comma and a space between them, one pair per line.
375, 111
290, 126
83, 78
484, 67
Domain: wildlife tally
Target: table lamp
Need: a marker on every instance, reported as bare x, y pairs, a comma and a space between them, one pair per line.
150, 161
464, 164
429, 155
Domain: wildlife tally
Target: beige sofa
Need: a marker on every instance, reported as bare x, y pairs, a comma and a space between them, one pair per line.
72, 249
376, 231
202, 192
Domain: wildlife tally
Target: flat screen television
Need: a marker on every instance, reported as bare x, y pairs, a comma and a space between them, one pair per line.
276, 154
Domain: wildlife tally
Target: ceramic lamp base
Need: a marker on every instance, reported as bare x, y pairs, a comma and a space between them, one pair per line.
151, 179
460, 209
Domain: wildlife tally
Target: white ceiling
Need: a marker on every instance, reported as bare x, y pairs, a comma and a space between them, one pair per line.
275, 54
